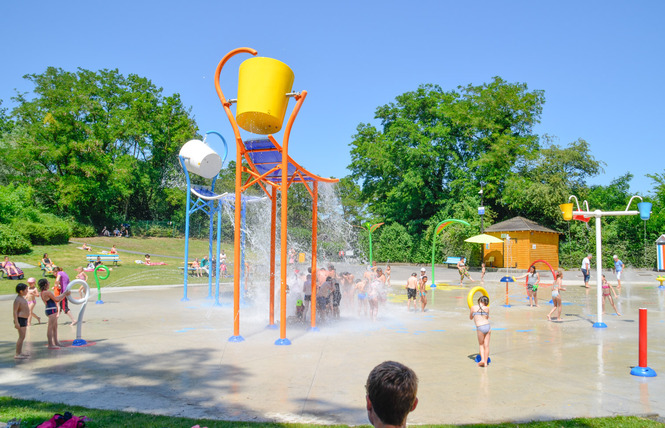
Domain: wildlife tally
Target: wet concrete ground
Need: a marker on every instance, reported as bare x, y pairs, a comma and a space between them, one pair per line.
152, 353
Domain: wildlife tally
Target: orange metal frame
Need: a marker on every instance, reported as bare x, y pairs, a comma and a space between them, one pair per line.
300, 175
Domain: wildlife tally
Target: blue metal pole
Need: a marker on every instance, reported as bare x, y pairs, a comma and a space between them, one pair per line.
187, 208
219, 247
211, 230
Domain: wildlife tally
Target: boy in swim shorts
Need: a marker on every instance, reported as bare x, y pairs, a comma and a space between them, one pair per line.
411, 291
21, 314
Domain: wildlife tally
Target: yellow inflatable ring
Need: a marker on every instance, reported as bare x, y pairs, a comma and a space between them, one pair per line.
474, 290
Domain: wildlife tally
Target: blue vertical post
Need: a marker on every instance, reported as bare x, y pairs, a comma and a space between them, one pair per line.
219, 247
211, 214
187, 212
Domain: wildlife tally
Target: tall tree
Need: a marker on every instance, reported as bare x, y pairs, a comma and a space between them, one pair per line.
98, 145
434, 145
540, 184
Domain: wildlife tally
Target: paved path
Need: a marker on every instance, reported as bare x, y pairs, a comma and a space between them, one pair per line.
154, 353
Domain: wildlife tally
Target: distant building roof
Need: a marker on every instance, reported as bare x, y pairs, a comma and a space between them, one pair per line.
518, 224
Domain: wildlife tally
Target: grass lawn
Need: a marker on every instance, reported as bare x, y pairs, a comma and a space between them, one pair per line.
34, 412
127, 273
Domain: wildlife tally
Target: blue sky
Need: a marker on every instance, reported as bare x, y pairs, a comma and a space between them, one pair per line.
600, 63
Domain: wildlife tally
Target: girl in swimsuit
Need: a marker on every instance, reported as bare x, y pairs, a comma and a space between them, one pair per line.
422, 292
606, 294
480, 314
32, 300
556, 296
533, 280
82, 276
50, 300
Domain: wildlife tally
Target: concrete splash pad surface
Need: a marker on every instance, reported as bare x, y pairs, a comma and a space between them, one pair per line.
153, 353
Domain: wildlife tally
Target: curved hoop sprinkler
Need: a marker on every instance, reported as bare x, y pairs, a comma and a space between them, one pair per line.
439, 228
97, 278
371, 228
569, 214
83, 302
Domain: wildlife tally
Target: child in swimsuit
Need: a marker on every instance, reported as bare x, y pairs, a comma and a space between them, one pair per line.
51, 300
606, 294
533, 280
83, 277
556, 296
480, 314
422, 292
362, 304
32, 300
21, 314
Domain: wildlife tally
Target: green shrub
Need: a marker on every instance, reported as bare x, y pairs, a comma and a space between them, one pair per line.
394, 244
12, 242
81, 230
49, 230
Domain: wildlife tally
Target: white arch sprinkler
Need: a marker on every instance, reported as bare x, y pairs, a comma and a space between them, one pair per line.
568, 214
198, 158
83, 302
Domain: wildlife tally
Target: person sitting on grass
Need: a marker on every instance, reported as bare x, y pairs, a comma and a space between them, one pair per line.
10, 267
392, 390
47, 262
86, 247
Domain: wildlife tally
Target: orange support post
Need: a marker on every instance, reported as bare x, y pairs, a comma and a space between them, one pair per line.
315, 225
273, 231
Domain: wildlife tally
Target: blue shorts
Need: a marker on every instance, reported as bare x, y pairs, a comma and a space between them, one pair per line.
587, 275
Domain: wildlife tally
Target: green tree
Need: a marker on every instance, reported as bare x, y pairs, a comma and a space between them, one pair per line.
98, 146
540, 184
435, 145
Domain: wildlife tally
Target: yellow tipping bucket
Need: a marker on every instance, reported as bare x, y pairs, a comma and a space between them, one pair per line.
262, 87
567, 211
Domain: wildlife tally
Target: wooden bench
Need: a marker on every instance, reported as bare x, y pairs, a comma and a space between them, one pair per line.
46, 270
105, 258
453, 261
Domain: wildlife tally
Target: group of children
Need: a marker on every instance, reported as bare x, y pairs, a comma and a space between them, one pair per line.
55, 301
416, 291
334, 291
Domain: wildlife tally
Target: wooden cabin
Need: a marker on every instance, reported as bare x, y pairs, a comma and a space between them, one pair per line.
524, 241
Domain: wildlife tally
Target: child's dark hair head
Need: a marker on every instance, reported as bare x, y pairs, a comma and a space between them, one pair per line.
43, 284
391, 388
20, 287
483, 300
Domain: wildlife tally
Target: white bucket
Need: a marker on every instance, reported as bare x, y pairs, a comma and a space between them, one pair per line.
200, 159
